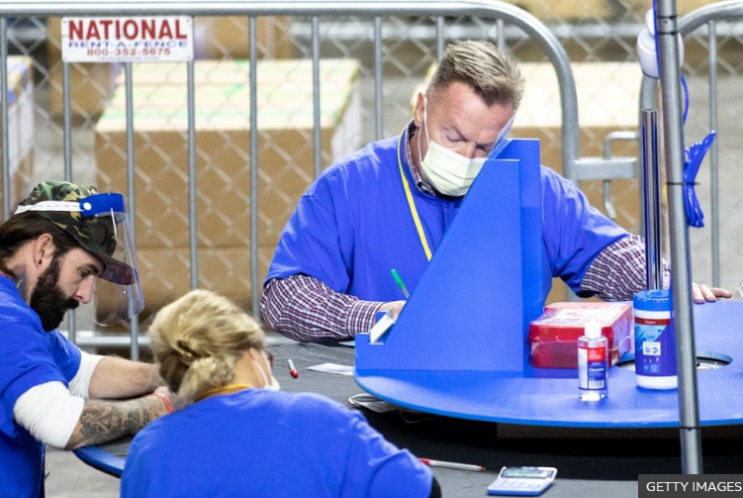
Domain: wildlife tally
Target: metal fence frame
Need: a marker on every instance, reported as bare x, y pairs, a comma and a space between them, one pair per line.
708, 15
668, 26
574, 168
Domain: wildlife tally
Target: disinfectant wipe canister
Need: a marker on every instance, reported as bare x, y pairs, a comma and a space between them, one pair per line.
655, 344
593, 358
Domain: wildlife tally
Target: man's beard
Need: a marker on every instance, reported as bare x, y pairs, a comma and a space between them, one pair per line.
48, 300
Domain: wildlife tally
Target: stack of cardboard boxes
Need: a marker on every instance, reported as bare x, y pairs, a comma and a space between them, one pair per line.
92, 85
608, 99
20, 127
587, 10
285, 158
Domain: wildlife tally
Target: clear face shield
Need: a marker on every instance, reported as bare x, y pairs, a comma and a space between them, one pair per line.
117, 294
99, 223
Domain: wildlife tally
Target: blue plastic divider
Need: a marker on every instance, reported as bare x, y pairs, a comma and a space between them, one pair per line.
472, 308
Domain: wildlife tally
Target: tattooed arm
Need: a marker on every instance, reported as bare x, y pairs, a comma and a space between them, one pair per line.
103, 421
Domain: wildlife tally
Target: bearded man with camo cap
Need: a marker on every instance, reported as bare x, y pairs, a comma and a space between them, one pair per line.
65, 245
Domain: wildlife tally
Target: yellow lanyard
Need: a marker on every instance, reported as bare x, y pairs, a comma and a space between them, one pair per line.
411, 203
228, 389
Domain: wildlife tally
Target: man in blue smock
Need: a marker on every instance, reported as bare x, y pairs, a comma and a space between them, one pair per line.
390, 204
64, 245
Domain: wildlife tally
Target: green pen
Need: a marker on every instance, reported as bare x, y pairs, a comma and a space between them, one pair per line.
400, 284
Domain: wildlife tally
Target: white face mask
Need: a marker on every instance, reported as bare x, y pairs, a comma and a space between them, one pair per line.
451, 173
271, 385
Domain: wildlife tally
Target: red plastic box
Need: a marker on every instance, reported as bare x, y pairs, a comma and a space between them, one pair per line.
553, 337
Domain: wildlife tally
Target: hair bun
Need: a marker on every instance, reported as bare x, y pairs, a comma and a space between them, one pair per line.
187, 350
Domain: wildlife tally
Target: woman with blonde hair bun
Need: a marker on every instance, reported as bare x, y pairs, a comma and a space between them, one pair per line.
238, 435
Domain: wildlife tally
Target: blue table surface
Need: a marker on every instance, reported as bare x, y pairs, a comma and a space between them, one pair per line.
550, 397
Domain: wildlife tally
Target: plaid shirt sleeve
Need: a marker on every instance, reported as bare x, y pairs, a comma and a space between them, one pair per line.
305, 309
619, 271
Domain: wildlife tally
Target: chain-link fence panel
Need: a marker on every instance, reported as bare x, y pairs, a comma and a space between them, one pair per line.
712, 68
598, 35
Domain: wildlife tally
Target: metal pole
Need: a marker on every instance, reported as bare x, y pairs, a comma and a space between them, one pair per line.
648, 100
714, 171
440, 46
501, 34
378, 109
4, 103
651, 201
316, 124
130, 176
691, 443
71, 316
192, 226
254, 168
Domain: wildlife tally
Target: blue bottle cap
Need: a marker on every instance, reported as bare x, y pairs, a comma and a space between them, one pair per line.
653, 300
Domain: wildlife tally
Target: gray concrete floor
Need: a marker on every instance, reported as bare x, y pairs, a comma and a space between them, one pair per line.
71, 478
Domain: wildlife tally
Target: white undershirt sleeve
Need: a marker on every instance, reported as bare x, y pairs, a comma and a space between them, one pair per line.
80, 384
49, 412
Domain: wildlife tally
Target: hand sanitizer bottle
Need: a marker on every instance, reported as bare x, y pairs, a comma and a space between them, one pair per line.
592, 363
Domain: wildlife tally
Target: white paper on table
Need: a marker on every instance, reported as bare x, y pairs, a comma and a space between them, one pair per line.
381, 327
333, 368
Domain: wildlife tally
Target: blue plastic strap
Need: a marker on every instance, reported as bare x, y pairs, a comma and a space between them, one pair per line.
694, 157
102, 203
685, 86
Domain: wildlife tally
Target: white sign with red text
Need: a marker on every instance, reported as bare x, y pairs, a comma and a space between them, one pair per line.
127, 39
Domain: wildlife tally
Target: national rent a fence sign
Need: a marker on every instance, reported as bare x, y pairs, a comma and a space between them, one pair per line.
127, 39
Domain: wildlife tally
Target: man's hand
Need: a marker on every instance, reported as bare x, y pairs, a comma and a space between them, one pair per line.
395, 306
702, 293
169, 399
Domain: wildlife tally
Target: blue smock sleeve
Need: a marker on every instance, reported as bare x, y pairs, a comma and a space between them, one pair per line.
66, 355
30, 358
377, 466
317, 240
574, 231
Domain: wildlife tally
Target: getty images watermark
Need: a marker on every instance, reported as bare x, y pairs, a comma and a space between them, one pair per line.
673, 485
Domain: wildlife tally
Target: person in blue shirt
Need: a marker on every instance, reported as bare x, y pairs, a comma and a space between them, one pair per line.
238, 435
61, 238
390, 204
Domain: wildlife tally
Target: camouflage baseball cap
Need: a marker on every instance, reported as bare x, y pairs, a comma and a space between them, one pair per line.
97, 235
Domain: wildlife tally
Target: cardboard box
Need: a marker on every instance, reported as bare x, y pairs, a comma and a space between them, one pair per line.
608, 100
228, 37
166, 273
574, 10
565, 10
277, 76
683, 7
91, 85
20, 128
223, 158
